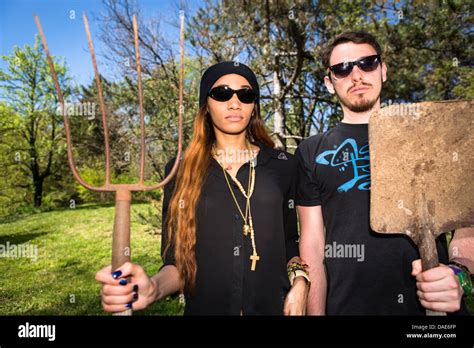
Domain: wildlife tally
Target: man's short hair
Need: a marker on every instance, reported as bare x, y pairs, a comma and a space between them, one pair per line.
357, 37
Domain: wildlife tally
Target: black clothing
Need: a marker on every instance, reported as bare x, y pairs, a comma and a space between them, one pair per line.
225, 285
367, 273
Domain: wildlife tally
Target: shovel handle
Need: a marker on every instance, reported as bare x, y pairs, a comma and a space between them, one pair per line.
121, 235
429, 259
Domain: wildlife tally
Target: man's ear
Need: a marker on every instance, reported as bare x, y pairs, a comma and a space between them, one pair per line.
384, 72
329, 85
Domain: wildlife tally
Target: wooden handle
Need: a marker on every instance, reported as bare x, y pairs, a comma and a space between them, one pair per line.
429, 259
121, 236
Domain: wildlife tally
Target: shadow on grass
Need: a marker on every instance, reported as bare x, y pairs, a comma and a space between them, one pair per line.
20, 238
87, 206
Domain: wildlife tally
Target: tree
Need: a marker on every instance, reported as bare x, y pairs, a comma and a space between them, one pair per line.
273, 38
425, 47
34, 137
160, 78
12, 189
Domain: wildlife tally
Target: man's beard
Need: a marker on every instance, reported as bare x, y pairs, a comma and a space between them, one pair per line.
361, 105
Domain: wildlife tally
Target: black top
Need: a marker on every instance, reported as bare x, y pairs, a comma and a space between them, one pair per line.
368, 273
225, 285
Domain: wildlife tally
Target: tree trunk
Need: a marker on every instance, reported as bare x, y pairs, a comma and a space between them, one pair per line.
278, 116
38, 185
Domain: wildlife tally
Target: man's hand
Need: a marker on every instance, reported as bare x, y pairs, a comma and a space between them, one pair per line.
438, 288
295, 302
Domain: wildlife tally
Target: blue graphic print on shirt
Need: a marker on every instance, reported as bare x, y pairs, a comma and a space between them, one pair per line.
348, 155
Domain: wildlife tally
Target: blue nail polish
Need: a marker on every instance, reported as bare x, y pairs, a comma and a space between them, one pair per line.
128, 305
123, 282
116, 274
135, 288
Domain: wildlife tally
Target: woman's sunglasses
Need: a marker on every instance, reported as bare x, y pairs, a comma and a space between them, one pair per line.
366, 64
225, 93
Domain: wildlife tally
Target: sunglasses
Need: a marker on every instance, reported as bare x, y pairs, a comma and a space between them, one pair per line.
225, 93
366, 64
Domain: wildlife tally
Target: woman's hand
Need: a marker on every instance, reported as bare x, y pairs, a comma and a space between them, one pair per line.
118, 295
295, 302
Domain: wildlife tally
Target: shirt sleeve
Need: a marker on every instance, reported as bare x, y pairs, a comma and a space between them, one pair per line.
307, 188
290, 218
169, 257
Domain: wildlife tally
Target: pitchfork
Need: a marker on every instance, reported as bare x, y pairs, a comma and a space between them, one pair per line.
121, 234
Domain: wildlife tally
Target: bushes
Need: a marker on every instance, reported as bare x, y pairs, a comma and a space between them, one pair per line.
151, 218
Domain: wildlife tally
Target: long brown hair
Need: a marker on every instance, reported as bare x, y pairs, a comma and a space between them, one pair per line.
182, 219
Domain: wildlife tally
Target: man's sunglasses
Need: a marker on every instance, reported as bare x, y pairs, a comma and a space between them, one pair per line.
225, 93
366, 64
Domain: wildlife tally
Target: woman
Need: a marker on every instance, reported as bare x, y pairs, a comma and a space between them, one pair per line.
229, 233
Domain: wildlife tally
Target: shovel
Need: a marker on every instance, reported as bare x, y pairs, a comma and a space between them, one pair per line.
421, 172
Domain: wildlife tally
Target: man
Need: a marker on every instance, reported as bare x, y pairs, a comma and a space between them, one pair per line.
353, 270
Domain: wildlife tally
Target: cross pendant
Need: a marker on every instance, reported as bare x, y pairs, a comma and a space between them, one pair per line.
254, 259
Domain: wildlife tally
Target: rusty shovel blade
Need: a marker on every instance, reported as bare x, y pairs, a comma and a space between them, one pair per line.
422, 173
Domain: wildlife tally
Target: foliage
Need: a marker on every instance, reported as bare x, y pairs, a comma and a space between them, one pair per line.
30, 127
426, 47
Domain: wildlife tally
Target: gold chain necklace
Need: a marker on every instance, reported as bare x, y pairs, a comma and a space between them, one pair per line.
247, 217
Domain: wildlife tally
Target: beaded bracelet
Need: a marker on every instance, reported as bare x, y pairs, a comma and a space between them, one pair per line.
297, 269
463, 275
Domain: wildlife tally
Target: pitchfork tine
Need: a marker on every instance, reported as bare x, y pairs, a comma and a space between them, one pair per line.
64, 111
108, 186
123, 197
101, 101
140, 100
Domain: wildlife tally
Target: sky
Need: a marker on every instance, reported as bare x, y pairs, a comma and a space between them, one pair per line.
64, 29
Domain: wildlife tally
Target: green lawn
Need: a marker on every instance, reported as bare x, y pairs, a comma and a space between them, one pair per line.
72, 244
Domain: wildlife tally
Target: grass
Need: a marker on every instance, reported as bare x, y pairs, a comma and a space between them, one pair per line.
72, 244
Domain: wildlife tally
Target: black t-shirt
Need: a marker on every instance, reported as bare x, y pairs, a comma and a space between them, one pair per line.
367, 273
225, 285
